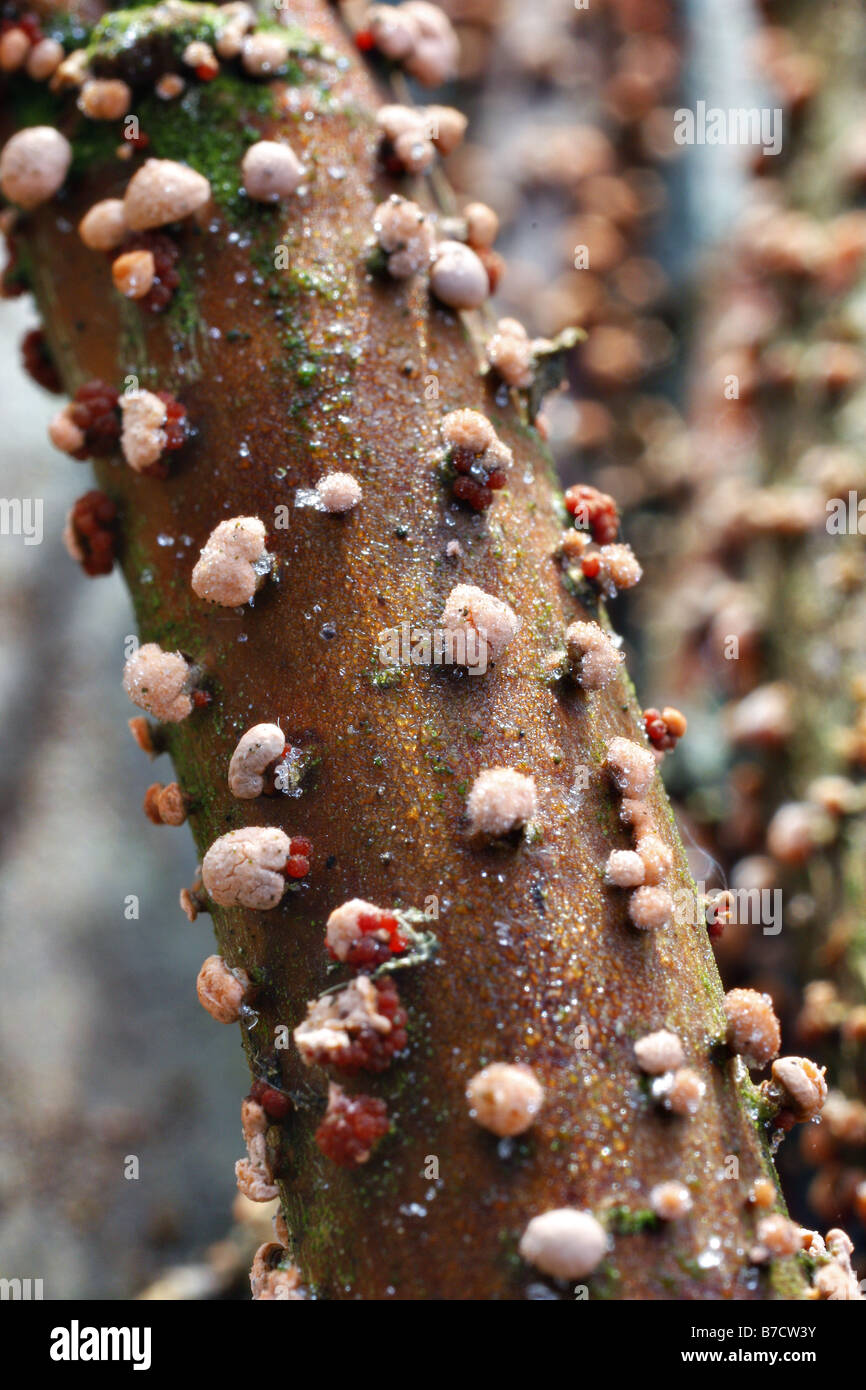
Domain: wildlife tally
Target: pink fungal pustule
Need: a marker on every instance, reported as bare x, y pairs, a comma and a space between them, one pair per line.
593, 511
680, 1091
753, 1030
165, 805
33, 165
254, 1174
352, 1127
254, 1183
363, 935
417, 35
271, 171
509, 352
631, 767
659, 1052
104, 227
105, 98
664, 728
799, 1086
656, 857
263, 53
154, 424
501, 801
777, 1237
272, 1282
407, 137
339, 493
458, 277
249, 867
160, 683
564, 1243
611, 567
257, 753
624, 869
163, 191
133, 274
478, 456
595, 660
505, 1097
233, 562
670, 1200
650, 909
222, 990
482, 229
360, 1027
481, 617
404, 233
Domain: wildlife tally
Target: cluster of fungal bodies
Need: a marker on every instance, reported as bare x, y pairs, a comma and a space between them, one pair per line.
361, 1027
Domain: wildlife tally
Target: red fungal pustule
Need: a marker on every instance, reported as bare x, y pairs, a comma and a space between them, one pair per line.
90, 425
664, 728
276, 1104
363, 935
38, 362
477, 455
753, 1029
360, 1027
90, 533
298, 860
352, 1127
201, 58
593, 511
165, 805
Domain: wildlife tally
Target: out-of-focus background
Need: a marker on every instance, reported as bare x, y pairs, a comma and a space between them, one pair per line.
104, 1049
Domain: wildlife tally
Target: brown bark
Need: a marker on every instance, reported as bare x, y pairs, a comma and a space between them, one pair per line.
532, 945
